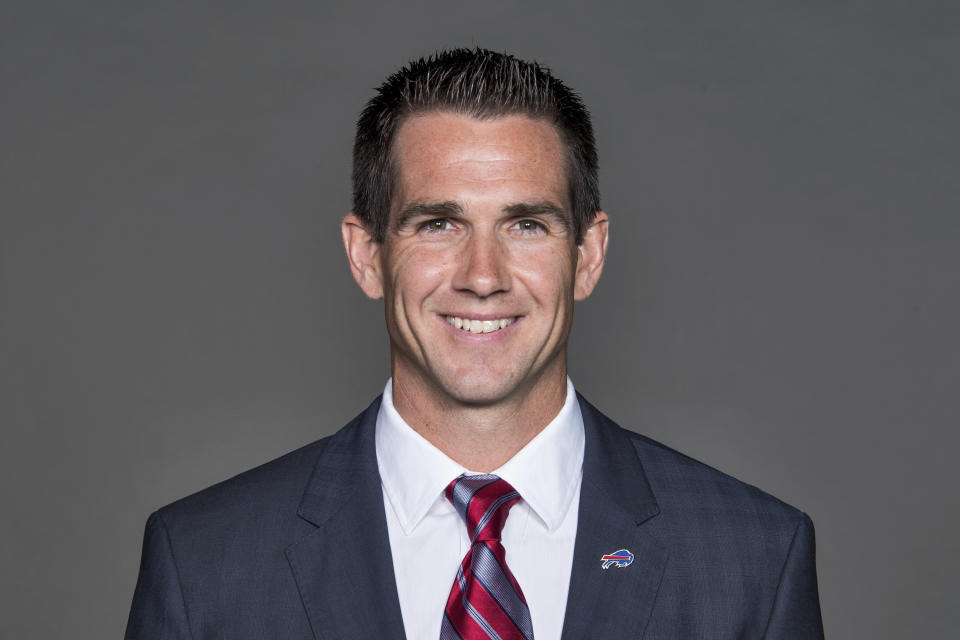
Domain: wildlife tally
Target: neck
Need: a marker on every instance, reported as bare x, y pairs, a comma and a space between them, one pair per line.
480, 436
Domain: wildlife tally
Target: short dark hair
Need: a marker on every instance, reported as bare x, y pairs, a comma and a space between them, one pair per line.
482, 84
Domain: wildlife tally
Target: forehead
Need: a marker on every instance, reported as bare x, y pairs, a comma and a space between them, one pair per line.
515, 156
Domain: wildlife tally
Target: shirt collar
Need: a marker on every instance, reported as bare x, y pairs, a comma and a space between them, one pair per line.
546, 472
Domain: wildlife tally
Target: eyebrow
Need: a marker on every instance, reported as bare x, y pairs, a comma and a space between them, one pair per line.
543, 208
451, 209
427, 210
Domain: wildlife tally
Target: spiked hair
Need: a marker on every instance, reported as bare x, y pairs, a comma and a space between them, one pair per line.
482, 84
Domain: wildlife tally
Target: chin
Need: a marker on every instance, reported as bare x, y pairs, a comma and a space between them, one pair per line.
468, 391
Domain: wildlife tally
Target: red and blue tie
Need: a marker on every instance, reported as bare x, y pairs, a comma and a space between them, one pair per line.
486, 602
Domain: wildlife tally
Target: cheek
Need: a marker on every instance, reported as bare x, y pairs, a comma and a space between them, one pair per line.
547, 274
415, 273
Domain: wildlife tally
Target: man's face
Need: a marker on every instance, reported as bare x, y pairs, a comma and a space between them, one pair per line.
479, 269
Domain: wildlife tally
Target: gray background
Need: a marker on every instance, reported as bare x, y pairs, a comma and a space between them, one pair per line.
780, 301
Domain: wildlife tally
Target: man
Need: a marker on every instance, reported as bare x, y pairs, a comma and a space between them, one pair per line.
479, 497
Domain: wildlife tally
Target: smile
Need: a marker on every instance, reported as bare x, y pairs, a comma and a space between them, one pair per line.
479, 326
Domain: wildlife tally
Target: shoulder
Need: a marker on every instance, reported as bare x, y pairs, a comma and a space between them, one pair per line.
730, 545
676, 478
267, 493
699, 501
266, 498
678, 475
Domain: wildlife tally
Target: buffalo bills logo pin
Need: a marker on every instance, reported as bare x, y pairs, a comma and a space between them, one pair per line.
621, 558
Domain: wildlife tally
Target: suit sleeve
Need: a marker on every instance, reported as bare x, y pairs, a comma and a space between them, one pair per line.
796, 608
158, 611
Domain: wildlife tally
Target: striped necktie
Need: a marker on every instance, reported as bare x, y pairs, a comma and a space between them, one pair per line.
486, 602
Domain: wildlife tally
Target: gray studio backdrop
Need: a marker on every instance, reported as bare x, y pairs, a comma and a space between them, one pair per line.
780, 301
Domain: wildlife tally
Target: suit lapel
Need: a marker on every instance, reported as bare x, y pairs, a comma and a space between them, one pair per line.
344, 568
615, 501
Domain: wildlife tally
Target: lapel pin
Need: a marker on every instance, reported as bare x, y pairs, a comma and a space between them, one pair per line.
621, 558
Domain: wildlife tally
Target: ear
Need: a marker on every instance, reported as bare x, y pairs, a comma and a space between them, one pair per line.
363, 254
592, 253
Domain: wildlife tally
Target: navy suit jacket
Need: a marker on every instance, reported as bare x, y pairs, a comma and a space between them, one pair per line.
298, 548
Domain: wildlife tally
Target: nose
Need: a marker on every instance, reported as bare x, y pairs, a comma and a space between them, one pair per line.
482, 268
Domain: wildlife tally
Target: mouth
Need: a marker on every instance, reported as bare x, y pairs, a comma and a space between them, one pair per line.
474, 325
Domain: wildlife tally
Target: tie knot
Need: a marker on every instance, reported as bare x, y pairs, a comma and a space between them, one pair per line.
483, 502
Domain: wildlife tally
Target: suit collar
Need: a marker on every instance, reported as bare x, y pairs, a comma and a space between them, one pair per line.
611, 466
344, 566
615, 503
345, 470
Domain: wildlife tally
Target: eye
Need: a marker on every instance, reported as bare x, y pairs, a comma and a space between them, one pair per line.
528, 226
436, 225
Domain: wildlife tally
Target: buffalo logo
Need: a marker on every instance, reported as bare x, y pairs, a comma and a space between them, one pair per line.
621, 558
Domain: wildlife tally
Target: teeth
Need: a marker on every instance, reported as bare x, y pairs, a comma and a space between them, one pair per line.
479, 326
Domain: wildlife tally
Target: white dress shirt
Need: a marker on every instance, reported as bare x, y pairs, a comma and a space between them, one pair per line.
428, 539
